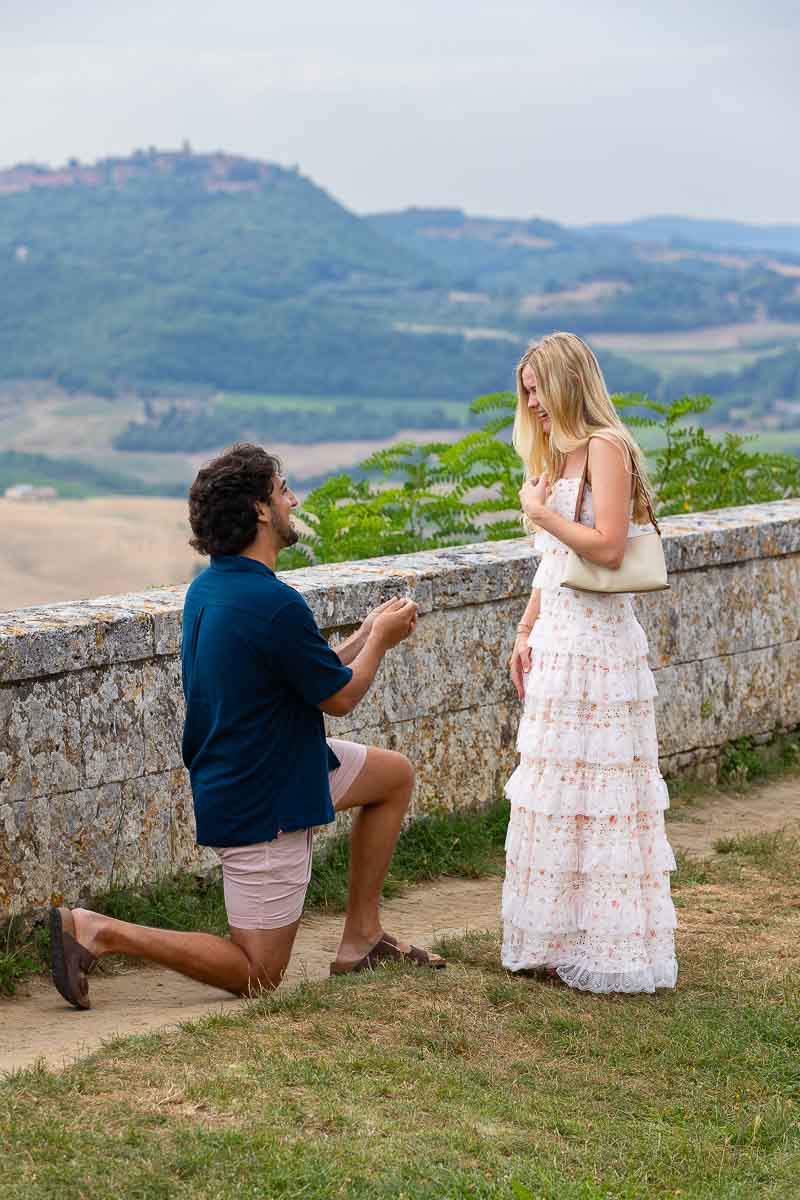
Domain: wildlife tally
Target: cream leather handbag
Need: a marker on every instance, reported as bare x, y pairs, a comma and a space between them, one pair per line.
643, 568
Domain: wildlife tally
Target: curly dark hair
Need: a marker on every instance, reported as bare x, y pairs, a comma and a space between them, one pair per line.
223, 497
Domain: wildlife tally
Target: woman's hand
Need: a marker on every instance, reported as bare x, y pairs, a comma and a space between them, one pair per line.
532, 496
520, 663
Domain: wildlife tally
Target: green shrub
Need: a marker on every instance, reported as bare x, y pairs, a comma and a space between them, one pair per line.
434, 494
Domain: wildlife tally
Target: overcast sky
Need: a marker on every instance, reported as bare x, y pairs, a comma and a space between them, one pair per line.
577, 111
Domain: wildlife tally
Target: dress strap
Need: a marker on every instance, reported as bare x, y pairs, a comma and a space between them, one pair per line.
640, 484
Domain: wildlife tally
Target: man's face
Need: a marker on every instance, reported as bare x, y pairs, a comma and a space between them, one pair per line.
282, 501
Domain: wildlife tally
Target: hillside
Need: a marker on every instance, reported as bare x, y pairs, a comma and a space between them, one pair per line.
175, 268
215, 296
548, 276
693, 231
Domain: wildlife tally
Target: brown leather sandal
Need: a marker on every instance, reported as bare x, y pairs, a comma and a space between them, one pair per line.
385, 950
71, 962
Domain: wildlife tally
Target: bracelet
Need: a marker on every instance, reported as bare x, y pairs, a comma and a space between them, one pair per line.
523, 628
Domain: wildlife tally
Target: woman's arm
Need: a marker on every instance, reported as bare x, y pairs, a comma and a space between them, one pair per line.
520, 661
611, 497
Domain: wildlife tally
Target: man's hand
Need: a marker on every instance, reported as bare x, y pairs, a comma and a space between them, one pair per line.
391, 623
395, 623
369, 619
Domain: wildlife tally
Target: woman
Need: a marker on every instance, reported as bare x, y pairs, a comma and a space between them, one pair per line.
586, 893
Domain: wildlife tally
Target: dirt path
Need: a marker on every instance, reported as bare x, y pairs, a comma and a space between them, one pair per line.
37, 1025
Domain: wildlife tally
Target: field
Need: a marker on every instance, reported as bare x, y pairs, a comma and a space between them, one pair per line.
468, 1083
71, 549
716, 348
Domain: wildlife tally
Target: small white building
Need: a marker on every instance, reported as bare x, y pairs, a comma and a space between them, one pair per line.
29, 491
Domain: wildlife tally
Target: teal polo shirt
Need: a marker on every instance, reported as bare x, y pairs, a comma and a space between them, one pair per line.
255, 668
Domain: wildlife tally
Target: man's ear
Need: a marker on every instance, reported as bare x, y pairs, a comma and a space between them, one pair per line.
263, 512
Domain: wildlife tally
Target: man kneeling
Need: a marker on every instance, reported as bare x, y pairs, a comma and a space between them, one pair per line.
257, 677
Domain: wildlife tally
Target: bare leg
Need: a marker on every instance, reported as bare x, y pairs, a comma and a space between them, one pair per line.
381, 793
251, 961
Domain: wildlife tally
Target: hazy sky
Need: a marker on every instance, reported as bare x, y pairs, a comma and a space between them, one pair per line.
573, 110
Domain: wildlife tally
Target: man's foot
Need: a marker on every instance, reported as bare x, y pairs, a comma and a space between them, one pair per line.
71, 962
388, 949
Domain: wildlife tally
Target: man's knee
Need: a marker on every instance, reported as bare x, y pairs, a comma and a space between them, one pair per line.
403, 773
264, 979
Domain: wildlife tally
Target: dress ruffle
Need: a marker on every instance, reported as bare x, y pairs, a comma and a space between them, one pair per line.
561, 733
570, 789
588, 862
577, 845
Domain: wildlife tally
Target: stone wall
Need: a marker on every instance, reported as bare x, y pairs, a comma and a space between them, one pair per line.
92, 791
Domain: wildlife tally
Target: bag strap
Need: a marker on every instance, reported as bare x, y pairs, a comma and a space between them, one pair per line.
582, 489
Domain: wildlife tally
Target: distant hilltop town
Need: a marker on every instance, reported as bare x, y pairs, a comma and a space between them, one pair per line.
219, 172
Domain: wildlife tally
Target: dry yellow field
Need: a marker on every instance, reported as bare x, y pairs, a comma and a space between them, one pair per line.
73, 549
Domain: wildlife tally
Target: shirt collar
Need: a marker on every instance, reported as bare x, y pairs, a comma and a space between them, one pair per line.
238, 562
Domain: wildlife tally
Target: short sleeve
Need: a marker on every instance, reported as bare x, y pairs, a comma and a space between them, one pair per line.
307, 661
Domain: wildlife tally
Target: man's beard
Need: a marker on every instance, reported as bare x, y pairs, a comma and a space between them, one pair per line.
288, 534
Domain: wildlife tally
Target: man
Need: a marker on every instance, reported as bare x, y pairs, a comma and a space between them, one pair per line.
258, 676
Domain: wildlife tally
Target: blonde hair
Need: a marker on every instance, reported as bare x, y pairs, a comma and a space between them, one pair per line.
571, 389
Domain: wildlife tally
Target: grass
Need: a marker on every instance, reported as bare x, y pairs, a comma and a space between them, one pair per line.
455, 409
743, 764
468, 844
472, 1083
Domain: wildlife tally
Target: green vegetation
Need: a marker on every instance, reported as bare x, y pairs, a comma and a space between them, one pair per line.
187, 429
693, 472
467, 1083
770, 384
444, 494
506, 259
696, 231
75, 479
467, 844
152, 278
745, 762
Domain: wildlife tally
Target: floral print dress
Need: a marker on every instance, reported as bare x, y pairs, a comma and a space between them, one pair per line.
587, 888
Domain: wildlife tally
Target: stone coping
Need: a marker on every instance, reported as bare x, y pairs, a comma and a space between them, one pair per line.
47, 640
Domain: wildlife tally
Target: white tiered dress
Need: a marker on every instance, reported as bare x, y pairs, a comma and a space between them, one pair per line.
587, 887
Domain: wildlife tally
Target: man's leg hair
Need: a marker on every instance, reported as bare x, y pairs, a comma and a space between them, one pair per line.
381, 794
252, 961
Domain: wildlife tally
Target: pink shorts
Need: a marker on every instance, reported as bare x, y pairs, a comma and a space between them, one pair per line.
265, 884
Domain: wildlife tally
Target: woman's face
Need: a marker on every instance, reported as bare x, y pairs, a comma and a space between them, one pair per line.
536, 410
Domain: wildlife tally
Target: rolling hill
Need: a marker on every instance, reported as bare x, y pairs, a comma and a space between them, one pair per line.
693, 231
179, 276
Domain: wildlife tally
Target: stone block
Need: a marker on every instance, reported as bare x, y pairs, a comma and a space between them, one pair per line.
26, 861
143, 851
715, 612
789, 685
341, 594
40, 740
659, 616
167, 631
695, 764
462, 759
741, 695
732, 535
678, 708
111, 706
771, 578
455, 660
186, 855
163, 713
85, 831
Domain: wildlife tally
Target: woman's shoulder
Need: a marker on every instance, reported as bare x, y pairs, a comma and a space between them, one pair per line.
608, 446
